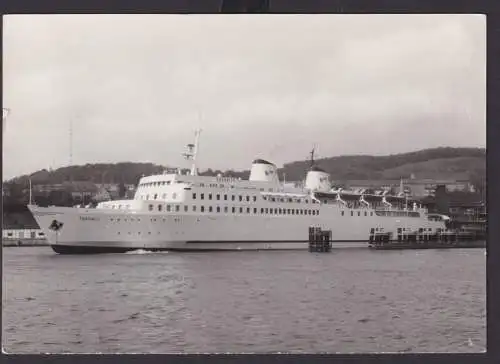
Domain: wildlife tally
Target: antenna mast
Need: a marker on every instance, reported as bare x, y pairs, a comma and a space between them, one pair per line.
192, 152
312, 156
71, 142
5, 113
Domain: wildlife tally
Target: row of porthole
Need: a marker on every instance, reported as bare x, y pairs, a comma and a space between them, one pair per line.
154, 184
117, 207
155, 196
248, 210
138, 220
342, 213
218, 197
287, 199
214, 185
399, 213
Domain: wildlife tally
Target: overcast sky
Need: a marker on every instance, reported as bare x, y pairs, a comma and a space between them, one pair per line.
136, 87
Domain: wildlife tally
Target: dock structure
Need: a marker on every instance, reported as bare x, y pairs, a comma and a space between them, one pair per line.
319, 240
421, 239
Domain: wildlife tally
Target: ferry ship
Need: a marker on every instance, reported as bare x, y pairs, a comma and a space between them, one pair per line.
186, 211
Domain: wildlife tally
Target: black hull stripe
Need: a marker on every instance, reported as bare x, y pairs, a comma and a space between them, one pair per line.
267, 241
71, 249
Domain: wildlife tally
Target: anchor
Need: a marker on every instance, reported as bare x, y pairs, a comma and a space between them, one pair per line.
56, 225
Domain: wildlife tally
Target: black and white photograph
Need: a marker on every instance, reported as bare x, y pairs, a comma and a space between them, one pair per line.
244, 183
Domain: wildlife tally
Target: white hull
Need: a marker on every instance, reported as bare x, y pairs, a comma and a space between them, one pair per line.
110, 230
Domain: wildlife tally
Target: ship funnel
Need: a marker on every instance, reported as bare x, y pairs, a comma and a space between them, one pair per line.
318, 180
263, 170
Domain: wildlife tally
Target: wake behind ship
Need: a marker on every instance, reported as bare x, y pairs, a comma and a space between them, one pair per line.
174, 211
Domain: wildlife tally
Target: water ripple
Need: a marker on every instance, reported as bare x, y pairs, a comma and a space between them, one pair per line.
348, 301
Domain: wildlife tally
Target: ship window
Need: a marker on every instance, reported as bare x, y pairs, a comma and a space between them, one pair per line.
194, 196
164, 196
233, 210
218, 197
209, 208
248, 210
270, 190
265, 198
174, 195
289, 212
342, 213
177, 208
306, 201
218, 209
279, 211
254, 210
232, 198
226, 209
159, 207
352, 213
202, 208
194, 207
168, 208
254, 198
185, 208
225, 197
241, 198
248, 198
209, 196
371, 213
317, 212
267, 210
241, 210
262, 189
366, 213
289, 200
150, 207
202, 196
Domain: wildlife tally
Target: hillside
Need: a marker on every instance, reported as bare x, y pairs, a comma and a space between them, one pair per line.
461, 168
439, 163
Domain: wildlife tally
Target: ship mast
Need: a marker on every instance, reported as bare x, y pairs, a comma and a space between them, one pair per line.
192, 152
312, 157
5, 113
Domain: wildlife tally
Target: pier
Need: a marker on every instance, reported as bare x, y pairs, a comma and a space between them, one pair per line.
445, 239
319, 240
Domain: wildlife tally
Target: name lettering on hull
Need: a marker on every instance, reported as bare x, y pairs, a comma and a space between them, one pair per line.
89, 218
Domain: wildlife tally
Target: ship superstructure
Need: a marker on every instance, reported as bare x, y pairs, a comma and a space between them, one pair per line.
176, 211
